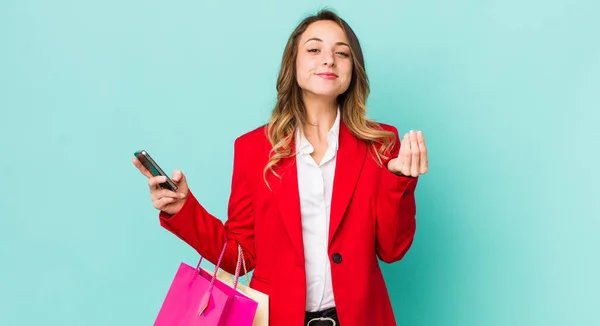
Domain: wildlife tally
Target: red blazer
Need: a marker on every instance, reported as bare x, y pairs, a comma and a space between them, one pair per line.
372, 216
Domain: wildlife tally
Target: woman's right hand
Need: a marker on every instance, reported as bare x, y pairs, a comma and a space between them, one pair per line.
165, 200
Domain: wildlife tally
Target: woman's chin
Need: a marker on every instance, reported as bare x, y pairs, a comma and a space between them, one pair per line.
323, 93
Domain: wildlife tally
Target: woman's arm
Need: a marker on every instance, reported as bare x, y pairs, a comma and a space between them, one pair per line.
395, 212
207, 234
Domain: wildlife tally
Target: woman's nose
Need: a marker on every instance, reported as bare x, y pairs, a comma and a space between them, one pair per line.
328, 62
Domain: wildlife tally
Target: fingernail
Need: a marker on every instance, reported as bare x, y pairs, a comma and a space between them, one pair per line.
419, 132
181, 195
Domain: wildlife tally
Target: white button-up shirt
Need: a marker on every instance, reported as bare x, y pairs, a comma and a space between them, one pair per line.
315, 183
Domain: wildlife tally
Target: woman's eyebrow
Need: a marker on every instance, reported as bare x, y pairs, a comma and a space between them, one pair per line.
320, 40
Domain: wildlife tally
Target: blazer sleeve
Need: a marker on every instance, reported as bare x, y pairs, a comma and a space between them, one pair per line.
395, 211
207, 234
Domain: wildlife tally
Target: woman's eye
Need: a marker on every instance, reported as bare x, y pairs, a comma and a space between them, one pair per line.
343, 54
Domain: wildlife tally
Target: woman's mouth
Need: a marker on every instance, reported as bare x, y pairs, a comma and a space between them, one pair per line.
327, 75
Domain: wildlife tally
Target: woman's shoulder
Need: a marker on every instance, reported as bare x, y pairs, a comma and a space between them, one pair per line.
252, 138
384, 126
391, 146
252, 148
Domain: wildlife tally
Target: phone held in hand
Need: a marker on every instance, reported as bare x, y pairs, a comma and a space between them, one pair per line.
151, 166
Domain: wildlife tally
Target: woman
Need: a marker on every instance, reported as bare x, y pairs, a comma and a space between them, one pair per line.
318, 194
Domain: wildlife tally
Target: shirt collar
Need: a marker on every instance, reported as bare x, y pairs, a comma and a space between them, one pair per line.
303, 146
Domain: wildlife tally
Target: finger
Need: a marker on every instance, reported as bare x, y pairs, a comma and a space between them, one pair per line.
405, 152
180, 180
423, 166
177, 176
415, 154
154, 182
397, 162
163, 202
141, 167
162, 193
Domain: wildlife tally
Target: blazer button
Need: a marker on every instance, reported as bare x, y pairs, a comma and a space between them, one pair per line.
337, 258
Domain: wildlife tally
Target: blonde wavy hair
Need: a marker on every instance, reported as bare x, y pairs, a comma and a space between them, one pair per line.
289, 111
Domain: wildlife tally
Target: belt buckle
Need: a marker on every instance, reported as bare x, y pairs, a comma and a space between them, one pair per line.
322, 319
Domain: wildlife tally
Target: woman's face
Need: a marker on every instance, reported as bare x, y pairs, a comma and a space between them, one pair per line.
324, 62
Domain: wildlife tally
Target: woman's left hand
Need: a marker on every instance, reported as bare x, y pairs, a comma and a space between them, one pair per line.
412, 159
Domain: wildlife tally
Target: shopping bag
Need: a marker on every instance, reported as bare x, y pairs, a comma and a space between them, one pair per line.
197, 297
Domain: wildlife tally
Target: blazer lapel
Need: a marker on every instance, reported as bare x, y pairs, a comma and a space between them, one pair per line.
287, 198
349, 162
350, 158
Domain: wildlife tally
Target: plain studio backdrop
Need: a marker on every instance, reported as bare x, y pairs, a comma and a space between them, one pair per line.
507, 94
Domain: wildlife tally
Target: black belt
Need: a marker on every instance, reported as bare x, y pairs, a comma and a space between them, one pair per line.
322, 318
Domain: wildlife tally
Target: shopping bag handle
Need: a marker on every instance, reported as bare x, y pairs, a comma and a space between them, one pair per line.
240, 262
206, 297
243, 262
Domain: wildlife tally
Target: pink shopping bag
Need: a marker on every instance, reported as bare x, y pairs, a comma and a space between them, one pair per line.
196, 297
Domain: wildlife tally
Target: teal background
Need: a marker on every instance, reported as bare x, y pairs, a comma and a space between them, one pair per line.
506, 92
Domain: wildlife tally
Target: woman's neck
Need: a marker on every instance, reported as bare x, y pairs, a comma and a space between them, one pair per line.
320, 116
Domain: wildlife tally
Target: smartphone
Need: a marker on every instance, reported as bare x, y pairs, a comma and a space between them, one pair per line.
151, 166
